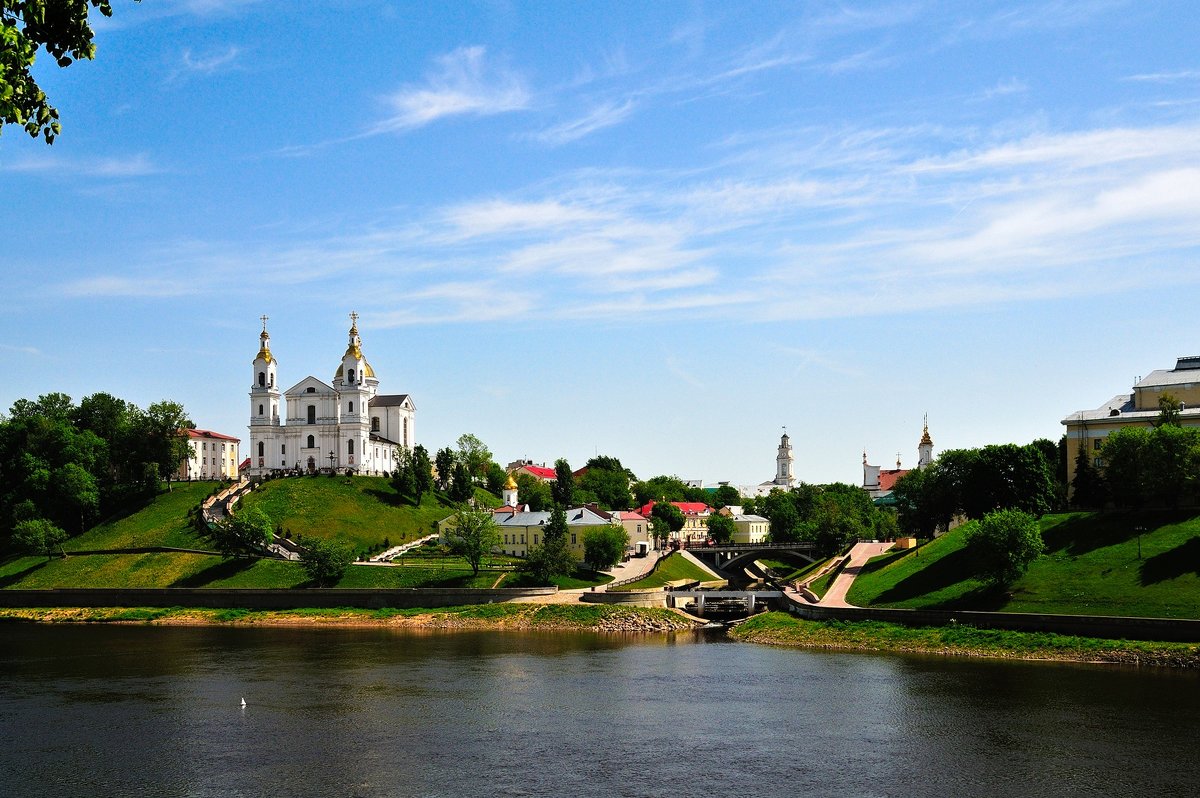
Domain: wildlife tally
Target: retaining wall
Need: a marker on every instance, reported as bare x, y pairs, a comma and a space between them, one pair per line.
275, 599
1118, 628
628, 598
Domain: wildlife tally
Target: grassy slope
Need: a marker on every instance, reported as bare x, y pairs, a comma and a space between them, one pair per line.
161, 522
672, 568
361, 511
1091, 566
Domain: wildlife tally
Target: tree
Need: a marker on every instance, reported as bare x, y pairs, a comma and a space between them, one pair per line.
461, 487
551, 557
76, 493
562, 490
1172, 458
1125, 454
325, 561
474, 455
1169, 410
661, 489
721, 528
666, 520
422, 471
404, 478
725, 496
1087, 489
1003, 544
778, 508
38, 536
62, 28
607, 487
496, 477
534, 492
472, 535
162, 437
246, 534
444, 463
604, 546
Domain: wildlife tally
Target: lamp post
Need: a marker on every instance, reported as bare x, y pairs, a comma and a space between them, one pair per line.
1139, 529
332, 458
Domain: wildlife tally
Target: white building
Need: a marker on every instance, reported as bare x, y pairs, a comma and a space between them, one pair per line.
211, 455
312, 426
785, 478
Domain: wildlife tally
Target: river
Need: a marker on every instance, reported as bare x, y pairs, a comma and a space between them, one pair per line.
154, 711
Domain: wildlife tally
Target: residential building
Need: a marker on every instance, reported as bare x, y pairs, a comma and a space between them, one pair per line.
211, 455
1139, 408
750, 528
344, 426
695, 520
521, 529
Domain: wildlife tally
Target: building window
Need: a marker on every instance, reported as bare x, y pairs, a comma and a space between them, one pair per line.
312, 414
350, 446
262, 379
406, 432
522, 540
260, 410
283, 448
310, 389
272, 380
312, 442
374, 423
572, 538
535, 540
1096, 444
350, 375
260, 448
506, 538
349, 407
1098, 462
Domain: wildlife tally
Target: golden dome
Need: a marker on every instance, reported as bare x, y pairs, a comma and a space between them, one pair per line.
367, 370
511, 484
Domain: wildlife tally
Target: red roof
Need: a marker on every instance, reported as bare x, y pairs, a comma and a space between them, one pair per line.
887, 478
687, 508
207, 433
244, 464
626, 515
541, 472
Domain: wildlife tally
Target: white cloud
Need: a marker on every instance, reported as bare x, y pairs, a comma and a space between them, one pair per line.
462, 84
602, 116
1167, 77
115, 167
207, 64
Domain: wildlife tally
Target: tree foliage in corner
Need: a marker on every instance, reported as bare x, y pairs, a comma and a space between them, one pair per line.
63, 29
38, 536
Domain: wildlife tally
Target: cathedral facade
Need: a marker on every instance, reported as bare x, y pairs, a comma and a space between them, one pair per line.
346, 426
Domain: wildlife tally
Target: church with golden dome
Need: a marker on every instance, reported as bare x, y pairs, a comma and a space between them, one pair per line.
346, 426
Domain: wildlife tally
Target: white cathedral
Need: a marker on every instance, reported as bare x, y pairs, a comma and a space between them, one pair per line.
347, 426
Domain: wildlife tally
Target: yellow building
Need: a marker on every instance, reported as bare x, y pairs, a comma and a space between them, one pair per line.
1089, 428
522, 529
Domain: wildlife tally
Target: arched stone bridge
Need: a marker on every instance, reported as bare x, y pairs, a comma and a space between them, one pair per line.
736, 555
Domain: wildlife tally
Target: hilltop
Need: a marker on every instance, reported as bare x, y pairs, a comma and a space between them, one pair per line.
1090, 567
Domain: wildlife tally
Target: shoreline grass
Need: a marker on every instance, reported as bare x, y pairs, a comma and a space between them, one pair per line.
960, 640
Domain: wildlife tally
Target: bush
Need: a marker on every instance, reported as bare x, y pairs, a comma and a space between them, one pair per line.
325, 561
1003, 545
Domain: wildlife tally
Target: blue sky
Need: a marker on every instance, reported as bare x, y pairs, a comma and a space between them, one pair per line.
657, 231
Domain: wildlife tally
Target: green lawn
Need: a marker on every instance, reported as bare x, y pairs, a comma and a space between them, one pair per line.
198, 570
1090, 566
793, 568
821, 586
162, 521
361, 511
672, 568
581, 579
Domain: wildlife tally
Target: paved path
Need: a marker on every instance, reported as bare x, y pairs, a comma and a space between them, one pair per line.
634, 566
836, 595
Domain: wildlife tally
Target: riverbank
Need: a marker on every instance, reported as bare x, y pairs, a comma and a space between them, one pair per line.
781, 629
550, 617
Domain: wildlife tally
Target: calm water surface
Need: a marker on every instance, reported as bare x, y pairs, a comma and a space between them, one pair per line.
136, 711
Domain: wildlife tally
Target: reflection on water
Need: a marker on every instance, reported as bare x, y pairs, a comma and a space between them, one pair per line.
333, 712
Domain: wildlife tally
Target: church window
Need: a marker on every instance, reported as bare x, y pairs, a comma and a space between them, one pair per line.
350, 446
312, 443
312, 414
260, 410
260, 448
283, 448
349, 407
406, 432
350, 375
374, 423
262, 379
310, 389
272, 380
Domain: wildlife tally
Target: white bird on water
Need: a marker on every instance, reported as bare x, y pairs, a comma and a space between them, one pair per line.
243, 702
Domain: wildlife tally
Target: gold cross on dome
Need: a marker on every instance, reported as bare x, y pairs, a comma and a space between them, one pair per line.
264, 318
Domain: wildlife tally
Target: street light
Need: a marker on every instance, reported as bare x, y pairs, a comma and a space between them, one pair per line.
332, 458
1139, 529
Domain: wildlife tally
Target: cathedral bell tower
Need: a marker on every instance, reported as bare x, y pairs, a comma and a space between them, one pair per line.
264, 390
510, 492
356, 384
